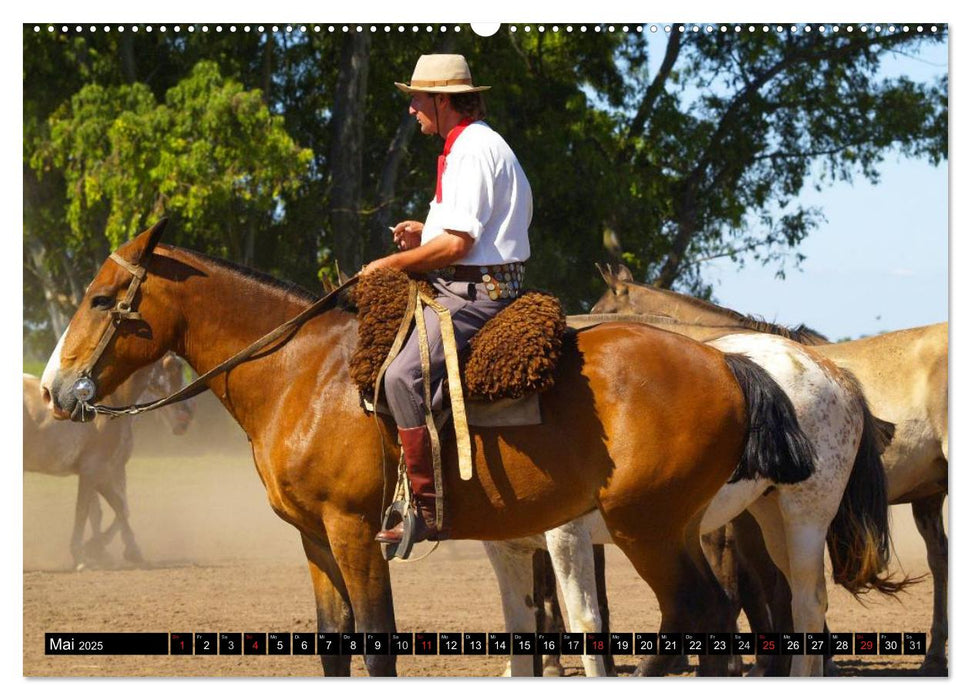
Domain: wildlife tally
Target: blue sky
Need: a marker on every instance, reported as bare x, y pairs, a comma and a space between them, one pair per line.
880, 260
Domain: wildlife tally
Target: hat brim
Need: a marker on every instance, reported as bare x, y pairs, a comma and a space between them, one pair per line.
450, 89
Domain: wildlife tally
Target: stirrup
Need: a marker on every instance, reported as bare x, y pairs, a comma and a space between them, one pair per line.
407, 516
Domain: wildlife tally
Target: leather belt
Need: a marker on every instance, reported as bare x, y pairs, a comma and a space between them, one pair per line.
501, 281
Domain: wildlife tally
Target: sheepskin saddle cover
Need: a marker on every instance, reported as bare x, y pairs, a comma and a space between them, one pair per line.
512, 355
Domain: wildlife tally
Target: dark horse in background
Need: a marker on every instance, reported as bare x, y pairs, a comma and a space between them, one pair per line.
643, 425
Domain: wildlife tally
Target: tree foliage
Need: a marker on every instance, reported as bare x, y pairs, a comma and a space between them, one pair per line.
293, 152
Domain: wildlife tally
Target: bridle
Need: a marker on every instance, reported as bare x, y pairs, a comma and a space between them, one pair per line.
85, 388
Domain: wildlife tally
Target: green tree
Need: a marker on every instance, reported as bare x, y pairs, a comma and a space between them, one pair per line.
212, 157
704, 155
729, 130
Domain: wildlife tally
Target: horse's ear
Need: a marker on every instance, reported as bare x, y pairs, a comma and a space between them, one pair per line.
624, 274
613, 279
147, 240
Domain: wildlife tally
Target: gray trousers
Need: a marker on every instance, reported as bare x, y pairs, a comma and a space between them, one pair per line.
470, 307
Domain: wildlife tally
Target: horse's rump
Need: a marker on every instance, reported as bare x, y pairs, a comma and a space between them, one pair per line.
513, 354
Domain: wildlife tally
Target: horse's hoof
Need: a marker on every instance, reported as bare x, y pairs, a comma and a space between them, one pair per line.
134, 555
647, 669
933, 667
94, 551
736, 668
80, 566
552, 669
830, 669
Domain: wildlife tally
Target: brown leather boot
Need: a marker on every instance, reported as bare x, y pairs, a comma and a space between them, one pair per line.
416, 444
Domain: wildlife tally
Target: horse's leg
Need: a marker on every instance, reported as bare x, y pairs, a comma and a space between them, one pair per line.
513, 564
796, 544
928, 515
548, 615
115, 492
82, 507
719, 548
687, 591
95, 546
333, 607
763, 592
367, 579
600, 571
571, 550
767, 513
806, 543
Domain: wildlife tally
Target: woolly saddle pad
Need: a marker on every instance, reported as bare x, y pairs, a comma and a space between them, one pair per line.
512, 355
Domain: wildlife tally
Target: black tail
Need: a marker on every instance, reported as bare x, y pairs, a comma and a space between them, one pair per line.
776, 447
859, 536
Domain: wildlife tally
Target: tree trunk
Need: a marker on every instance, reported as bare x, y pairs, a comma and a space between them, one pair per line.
249, 244
377, 236
53, 294
378, 233
687, 217
346, 153
126, 53
267, 83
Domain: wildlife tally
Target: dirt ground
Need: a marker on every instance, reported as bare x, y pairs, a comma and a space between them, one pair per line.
219, 560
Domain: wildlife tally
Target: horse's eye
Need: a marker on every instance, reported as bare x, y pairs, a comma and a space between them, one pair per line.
102, 302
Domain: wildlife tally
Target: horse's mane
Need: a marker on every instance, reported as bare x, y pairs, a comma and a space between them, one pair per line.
285, 286
801, 333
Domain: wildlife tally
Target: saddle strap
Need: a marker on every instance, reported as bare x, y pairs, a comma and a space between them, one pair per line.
401, 492
459, 418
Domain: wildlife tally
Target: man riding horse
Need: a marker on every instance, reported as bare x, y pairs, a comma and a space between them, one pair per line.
473, 246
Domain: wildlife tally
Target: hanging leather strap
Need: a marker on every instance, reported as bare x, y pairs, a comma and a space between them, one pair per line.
462, 440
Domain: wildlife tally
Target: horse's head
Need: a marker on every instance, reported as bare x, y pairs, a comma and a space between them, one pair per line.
123, 322
616, 300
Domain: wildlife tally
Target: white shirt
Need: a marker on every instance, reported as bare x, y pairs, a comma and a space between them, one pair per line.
485, 193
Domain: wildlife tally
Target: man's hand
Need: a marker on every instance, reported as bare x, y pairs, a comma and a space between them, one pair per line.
407, 234
378, 264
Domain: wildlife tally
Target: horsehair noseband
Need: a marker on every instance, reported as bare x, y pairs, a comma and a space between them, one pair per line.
85, 388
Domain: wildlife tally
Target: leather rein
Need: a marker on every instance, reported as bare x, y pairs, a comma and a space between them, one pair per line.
85, 388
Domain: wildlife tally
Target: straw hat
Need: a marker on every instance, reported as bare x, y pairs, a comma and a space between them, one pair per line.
441, 72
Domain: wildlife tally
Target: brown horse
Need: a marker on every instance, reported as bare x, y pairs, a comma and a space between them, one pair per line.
644, 425
904, 376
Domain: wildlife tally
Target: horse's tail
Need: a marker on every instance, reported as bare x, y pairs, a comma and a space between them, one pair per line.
776, 448
859, 536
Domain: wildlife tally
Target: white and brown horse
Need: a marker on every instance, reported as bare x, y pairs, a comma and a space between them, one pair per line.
97, 453
641, 424
842, 503
904, 376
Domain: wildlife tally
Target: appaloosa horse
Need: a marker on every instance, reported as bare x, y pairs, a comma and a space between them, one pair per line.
97, 453
843, 503
641, 424
904, 377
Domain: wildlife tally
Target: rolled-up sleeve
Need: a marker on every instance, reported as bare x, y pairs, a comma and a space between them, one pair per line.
468, 194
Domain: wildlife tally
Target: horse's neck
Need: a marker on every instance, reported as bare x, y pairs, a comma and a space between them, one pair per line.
682, 308
239, 311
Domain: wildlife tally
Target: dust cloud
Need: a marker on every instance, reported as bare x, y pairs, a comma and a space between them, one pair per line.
194, 499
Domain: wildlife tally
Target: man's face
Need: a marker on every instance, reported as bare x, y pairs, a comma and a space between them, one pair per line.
422, 107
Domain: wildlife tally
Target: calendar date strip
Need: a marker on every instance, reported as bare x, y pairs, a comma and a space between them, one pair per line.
481, 643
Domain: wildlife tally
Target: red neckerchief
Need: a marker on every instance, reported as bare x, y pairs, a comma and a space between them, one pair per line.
449, 140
